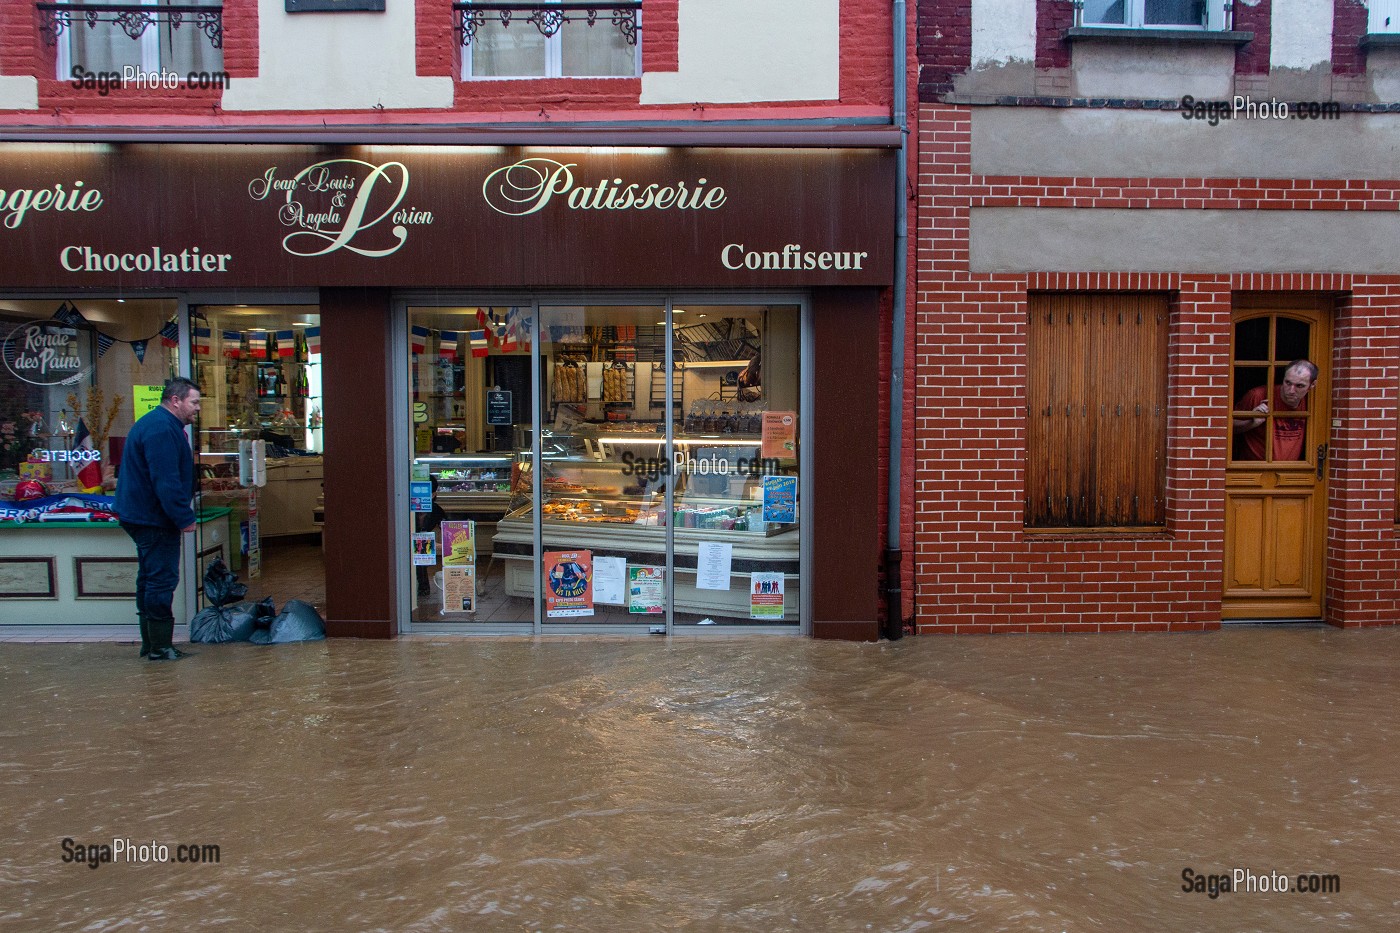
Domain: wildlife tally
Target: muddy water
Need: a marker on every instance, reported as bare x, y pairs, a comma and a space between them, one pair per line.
1013, 783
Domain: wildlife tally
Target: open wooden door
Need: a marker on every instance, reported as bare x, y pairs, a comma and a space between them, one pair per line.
1276, 480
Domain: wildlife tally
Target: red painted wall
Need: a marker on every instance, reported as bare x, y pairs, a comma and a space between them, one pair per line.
976, 568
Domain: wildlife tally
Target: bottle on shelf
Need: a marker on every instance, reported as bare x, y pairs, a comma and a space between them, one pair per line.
245, 349
279, 383
303, 384
299, 344
271, 346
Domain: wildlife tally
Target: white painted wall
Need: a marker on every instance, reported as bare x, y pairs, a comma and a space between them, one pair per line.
742, 51
18, 92
1003, 31
337, 61
1152, 70
1300, 34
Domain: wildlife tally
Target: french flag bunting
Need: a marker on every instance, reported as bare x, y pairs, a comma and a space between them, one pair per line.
69, 315
201, 341
419, 341
286, 343
257, 341
170, 335
478, 342
447, 343
233, 344
313, 341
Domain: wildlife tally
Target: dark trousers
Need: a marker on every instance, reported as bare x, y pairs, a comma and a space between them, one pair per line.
157, 575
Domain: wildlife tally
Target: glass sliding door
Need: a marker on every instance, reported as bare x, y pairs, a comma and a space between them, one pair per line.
471, 429
603, 491
604, 466
737, 402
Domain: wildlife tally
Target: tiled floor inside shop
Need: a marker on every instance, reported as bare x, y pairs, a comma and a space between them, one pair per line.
293, 568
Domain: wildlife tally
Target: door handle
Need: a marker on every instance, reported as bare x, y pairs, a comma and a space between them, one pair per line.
1321, 460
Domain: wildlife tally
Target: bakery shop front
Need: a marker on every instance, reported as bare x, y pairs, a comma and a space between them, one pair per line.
513, 389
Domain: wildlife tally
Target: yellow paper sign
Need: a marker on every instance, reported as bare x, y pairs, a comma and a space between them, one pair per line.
144, 399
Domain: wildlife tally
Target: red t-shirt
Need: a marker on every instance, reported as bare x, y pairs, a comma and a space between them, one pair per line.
1289, 433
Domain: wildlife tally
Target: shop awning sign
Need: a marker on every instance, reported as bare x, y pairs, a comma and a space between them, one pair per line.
275, 216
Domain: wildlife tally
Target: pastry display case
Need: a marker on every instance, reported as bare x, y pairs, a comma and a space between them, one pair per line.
469, 482
474, 487
613, 503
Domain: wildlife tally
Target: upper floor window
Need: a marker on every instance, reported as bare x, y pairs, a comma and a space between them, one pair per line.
179, 39
549, 39
1153, 14
1385, 16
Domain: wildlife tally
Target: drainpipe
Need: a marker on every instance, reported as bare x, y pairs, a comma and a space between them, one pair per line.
894, 559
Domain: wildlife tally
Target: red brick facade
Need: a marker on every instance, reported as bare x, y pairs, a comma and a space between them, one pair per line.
976, 568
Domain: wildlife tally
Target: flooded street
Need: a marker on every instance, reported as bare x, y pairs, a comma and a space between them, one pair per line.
1013, 783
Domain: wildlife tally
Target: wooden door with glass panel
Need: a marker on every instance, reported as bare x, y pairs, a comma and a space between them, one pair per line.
1275, 484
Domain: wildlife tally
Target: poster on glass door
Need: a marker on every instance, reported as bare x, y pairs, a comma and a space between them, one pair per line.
458, 589
568, 584
766, 593
646, 590
459, 544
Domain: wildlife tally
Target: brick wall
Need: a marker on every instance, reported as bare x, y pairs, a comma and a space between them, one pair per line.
1252, 58
1052, 18
1349, 23
944, 44
19, 38
976, 568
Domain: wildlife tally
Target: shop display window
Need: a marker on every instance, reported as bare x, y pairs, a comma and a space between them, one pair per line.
666, 491
76, 374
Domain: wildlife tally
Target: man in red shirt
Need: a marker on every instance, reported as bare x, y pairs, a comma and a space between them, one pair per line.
1289, 433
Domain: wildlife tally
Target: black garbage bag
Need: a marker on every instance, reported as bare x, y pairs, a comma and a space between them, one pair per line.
264, 611
298, 621
221, 587
216, 625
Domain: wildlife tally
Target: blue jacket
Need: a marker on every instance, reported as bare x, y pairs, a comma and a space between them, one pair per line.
156, 481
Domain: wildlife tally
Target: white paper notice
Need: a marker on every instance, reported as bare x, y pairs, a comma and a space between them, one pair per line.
610, 580
713, 564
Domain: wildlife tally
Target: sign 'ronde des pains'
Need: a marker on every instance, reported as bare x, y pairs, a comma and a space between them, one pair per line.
45, 353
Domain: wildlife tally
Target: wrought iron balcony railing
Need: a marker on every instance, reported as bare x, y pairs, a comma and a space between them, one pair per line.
548, 18
133, 18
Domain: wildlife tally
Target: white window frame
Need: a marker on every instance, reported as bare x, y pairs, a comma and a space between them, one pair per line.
554, 56
149, 42
1135, 14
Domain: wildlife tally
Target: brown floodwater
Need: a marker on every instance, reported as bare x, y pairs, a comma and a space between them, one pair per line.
1009, 783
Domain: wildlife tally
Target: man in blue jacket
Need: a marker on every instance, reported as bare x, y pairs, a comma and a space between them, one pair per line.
154, 489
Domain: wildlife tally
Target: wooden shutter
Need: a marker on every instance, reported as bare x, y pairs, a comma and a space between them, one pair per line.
1096, 412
